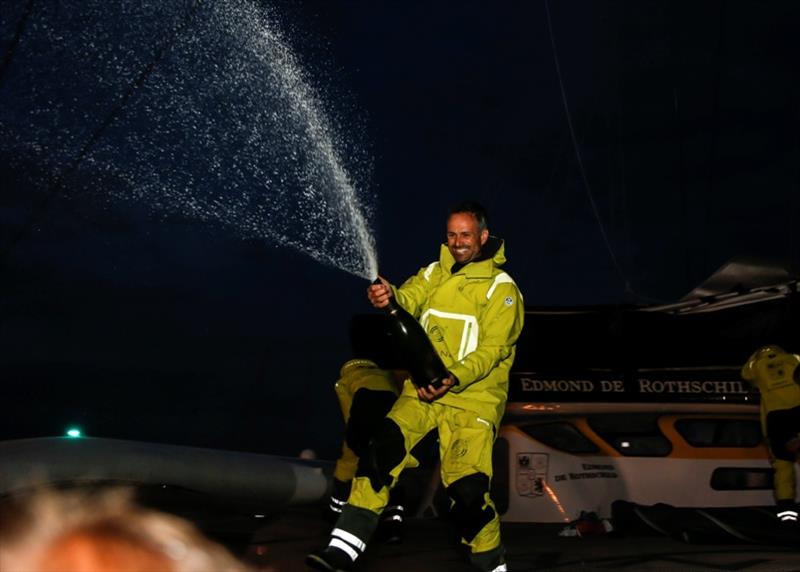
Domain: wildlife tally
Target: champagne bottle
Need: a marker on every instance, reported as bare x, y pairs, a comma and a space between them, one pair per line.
415, 348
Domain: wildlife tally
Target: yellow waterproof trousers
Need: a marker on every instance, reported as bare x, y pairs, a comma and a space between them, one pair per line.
465, 449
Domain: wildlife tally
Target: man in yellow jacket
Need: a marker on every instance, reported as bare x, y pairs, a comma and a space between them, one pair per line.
777, 376
473, 314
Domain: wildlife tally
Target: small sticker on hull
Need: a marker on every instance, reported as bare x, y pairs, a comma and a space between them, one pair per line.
531, 474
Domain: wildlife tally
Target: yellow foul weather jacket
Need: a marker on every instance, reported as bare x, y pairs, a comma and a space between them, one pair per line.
473, 318
772, 370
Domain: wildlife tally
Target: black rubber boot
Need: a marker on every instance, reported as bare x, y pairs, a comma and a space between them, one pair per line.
338, 499
490, 561
391, 527
330, 559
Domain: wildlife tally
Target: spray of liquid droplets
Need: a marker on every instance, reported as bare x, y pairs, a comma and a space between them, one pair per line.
227, 129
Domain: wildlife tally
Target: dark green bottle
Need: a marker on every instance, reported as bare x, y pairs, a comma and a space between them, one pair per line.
415, 348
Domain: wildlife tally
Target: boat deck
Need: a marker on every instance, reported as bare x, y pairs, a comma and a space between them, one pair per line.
279, 542
280, 545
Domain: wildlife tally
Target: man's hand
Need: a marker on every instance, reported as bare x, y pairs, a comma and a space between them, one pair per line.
430, 394
379, 294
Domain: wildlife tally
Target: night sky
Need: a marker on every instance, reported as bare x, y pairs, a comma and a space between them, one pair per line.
625, 150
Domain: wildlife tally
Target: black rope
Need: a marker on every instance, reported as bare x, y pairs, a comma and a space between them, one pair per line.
606, 241
12, 47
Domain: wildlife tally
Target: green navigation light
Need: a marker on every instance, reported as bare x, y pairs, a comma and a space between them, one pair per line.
73, 432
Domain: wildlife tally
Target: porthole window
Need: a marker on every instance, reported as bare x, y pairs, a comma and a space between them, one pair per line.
720, 432
633, 435
562, 436
742, 479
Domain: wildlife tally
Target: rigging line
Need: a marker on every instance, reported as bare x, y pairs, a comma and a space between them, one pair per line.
708, 196
580, 158
793, 255
56, 186
12, 47
794, 190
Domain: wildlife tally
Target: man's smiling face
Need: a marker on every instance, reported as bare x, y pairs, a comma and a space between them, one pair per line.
464, 237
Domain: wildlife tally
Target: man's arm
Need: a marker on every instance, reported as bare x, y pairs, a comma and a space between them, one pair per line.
414, 292
431, 393
411, 295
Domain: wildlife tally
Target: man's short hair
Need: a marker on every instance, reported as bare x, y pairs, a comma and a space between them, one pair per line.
475, 209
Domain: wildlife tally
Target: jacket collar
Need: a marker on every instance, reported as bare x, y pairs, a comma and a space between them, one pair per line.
492, 255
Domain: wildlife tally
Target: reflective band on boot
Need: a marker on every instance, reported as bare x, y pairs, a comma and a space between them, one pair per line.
337, 504
393, 513
348, 543
788, 516
344, 547
350, 539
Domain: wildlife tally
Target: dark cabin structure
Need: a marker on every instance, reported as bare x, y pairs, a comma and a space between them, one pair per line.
689, 350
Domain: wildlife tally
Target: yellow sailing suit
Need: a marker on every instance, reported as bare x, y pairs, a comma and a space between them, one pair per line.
355, 375
775, 373
473, 315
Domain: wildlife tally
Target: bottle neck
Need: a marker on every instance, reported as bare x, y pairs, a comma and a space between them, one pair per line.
393, 307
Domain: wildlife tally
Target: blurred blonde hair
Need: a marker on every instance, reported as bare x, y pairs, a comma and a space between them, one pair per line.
105, 531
